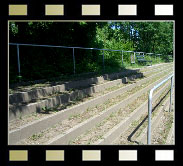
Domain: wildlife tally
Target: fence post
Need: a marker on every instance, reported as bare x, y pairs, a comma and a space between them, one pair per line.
131, 57
149, 118
171, 91
74, 65
122, 57
18, 60
103, 61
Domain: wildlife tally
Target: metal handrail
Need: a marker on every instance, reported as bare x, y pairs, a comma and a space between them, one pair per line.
150, 105
54, 46
74, 66
39, 45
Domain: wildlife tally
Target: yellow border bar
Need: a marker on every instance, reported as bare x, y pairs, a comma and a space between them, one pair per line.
90, 10
18, 155
18, 10
91, 155
54, 10
54, 155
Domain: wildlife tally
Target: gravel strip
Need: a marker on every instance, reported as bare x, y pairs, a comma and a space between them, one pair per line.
160, 135
100, 129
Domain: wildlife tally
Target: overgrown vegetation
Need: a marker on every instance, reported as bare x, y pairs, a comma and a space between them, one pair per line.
44, 63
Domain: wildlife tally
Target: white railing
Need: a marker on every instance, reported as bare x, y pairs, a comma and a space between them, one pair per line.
150, 105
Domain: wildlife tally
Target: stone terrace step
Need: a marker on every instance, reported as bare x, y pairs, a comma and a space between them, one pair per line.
43, 92
25, 109
159, 136
119, 129
48, 121
155, 121
131, 132
86, 125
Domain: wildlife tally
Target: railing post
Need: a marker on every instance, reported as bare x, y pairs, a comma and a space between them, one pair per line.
150, 106
103, 61
74, 65
171, 92
122, 57
18, 60
131, 58
149, 118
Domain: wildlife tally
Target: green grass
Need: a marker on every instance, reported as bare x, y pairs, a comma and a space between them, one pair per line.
35, 137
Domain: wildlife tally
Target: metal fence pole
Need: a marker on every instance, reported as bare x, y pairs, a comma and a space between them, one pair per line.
171, 92
122, 57
74, 65
103, 61
18, 60
149, 118
131, 58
